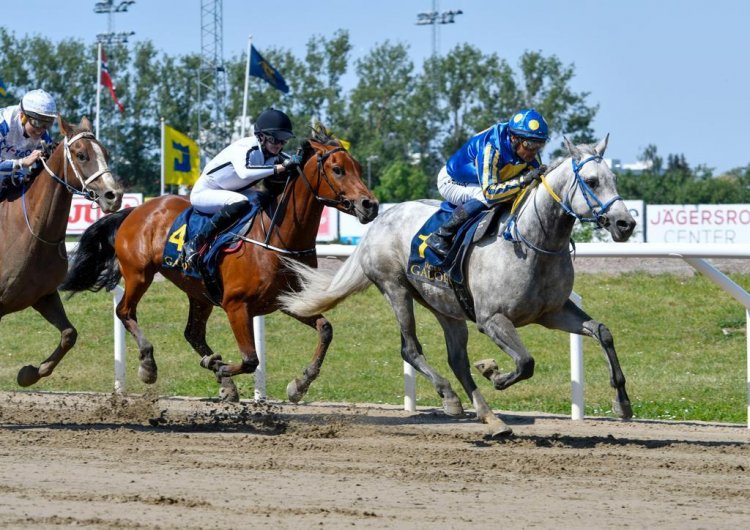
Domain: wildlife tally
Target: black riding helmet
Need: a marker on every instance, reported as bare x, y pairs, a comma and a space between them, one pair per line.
274, 123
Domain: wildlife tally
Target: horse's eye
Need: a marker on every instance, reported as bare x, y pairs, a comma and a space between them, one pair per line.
592, 182
338, 171
80, 155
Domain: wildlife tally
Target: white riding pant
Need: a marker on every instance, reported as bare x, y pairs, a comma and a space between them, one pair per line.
210, 199
458, 192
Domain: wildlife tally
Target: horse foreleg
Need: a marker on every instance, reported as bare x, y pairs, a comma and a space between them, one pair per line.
503, 333
573, 319
297, 388
402, 304
195, 334
51, 308
241, 322
456, 340
136, 286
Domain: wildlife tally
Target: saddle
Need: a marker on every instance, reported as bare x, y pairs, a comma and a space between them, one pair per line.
189, 223
449, 273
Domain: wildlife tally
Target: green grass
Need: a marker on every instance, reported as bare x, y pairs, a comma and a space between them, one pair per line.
681, 343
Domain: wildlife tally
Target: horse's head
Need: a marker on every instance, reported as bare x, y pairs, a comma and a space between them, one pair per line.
589, 190
335, 177
87, 159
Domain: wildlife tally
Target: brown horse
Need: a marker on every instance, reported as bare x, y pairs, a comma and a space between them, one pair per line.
33, 221
252, 277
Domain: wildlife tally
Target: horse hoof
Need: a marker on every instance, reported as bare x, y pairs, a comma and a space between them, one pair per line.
487, 368
28, 375
228, 392
146, 375
293, 391
622, 409
452, 407
500, 431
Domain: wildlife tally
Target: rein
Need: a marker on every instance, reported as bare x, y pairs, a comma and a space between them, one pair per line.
285, 199
597, 207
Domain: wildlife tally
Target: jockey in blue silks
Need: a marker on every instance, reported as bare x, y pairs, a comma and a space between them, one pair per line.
491, 167
23, 129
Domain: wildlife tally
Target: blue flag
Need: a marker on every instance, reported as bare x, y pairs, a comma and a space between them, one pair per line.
259, 67
3, 88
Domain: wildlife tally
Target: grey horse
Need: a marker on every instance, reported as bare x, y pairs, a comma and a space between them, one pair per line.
526, 278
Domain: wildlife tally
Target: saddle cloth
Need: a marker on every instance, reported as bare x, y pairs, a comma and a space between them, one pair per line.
189, 223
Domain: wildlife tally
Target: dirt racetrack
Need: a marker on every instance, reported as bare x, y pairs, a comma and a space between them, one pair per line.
98, 461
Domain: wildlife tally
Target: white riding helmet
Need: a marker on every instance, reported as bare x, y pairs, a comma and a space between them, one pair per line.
39, 104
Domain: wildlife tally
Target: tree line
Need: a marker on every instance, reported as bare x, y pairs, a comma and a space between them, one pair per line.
402, 121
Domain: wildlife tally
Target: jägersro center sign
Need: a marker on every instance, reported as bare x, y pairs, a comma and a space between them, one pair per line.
698, 223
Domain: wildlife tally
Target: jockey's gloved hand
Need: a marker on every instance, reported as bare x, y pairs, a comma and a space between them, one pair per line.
534, 174
293, 162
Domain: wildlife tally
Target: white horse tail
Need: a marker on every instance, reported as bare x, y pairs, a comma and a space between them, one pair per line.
322, 290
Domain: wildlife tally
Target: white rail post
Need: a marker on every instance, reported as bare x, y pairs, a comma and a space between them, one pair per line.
576, 368
259, 328
119, 330
410, 388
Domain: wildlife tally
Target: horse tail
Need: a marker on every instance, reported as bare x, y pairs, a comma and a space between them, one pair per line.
94, 264
321, 290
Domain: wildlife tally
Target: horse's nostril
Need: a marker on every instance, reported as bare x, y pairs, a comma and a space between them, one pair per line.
110, 195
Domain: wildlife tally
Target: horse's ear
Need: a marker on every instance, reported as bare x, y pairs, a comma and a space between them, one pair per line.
602, 146
86, 124
572, 149
65, 127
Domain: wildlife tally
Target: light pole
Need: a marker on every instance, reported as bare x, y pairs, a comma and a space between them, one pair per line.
433, 18
370, 160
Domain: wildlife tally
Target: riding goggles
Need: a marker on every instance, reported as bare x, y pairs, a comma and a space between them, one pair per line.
40, 123
532, 145
273, 141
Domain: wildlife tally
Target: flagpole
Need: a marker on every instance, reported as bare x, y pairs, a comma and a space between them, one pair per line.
98, 85
162, 156
247, 78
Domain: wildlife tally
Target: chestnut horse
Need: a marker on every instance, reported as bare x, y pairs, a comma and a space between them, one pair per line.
252, 277
33, 221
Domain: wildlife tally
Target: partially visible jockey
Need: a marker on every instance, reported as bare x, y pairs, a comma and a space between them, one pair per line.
225, 188
491, 167
23, 129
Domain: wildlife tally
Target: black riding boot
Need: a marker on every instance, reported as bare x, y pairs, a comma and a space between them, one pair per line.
221, 220
441, 240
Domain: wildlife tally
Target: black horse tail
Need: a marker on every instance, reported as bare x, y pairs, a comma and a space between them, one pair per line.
94, 264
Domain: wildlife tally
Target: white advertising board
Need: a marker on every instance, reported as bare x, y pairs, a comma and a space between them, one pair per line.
698, 223
83, 213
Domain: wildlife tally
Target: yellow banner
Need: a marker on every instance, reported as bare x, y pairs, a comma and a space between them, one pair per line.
181, 158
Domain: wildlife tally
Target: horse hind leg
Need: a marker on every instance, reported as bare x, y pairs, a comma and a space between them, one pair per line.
402, 304
51, 308
195, 334
456, 340
297, 387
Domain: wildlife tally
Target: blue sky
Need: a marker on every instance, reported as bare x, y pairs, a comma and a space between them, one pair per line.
673, 73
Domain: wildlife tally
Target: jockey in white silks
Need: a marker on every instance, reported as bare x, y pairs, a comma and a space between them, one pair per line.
225, 188
491, 167
23, 129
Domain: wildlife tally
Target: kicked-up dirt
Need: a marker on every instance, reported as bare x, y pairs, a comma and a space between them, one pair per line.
105, 461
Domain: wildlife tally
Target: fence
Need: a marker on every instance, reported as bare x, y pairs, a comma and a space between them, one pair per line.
694, 255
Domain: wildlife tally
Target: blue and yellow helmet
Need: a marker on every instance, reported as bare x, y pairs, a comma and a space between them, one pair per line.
528, 123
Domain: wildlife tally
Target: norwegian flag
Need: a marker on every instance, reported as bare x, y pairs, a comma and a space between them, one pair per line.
106, 81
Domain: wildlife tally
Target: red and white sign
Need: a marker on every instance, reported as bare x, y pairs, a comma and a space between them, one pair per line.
83, 213
329, 225
698, 223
